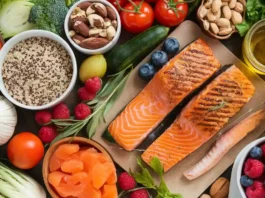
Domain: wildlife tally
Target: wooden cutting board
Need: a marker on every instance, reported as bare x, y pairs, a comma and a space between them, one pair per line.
186, 33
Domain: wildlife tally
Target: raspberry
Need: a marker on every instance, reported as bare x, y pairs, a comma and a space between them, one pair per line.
126, 181
257, 190
84, 95
263, 149
139, 194
43, 117
93, 85
47, 133
61, 111
82, 111
253, 168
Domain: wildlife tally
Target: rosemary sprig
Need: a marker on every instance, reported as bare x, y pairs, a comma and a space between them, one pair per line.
219, 106
101, 105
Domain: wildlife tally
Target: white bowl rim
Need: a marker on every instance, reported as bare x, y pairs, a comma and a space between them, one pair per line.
30, 34
241, 162
92, 51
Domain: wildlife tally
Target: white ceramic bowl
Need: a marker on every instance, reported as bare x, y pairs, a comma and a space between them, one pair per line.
236, 189
102, 50
29, 34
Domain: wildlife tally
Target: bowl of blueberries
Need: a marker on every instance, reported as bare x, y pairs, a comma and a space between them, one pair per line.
248, 174
159, 58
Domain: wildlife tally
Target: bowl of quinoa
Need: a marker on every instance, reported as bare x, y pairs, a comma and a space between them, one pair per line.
38, 70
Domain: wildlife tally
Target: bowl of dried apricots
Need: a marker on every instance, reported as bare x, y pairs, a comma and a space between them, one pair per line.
79, 168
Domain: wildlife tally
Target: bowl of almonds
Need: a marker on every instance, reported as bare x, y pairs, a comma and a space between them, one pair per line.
218, 18
92, 26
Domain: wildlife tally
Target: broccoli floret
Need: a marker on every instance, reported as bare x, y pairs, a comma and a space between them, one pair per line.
49, 15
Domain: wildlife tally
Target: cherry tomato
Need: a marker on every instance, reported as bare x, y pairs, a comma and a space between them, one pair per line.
150, 1
121, 2
137, 16
25, 150
170, 13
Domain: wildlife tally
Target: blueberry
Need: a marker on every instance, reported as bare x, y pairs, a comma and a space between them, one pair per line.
256, 152
246, 181
171, 46
159, 59
146, 71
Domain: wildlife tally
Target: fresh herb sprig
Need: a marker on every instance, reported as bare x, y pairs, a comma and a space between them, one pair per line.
100, 105
144, 178
255, 11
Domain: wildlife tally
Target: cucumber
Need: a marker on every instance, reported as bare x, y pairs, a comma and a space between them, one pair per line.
134, 50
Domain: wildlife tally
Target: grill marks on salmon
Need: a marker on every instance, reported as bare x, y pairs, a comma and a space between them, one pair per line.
179, 77
202, 118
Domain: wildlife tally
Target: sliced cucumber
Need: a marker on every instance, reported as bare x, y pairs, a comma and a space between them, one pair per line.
14, 16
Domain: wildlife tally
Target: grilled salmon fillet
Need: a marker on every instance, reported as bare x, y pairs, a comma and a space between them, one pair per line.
202, 118
179, 77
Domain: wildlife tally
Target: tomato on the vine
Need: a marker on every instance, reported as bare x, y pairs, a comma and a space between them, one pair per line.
170, 13
137, 16
25, 150
116, 2
151, 1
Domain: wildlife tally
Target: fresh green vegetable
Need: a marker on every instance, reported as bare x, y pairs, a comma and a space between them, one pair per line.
14, 183
193, 6
14, 16
144, 177
255, 11
50, 14
101, 105
134, 50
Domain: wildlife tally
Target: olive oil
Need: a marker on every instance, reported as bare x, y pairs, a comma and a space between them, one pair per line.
254, 48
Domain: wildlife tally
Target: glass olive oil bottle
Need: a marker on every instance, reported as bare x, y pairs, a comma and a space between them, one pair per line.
254, 48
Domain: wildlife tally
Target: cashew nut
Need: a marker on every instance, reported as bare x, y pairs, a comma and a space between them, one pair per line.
208, 4
203, 12
216, 5
206, 25
243, 2
236, 17
223, 22
225, 31
210, 16
218, 14
227, 12
239, 7
232, 4
214, 28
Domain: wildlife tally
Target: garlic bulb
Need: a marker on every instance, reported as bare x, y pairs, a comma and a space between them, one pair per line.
8, 120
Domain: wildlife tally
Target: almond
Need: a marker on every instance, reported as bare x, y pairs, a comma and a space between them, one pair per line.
84, 5
100, 9
94, 43
81, 28
220, 188
114, 23
78, 39
111, 13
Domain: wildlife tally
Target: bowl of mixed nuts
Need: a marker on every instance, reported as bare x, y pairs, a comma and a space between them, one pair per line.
93, 26
218, 18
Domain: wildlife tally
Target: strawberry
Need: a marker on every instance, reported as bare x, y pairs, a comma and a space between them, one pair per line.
61, 111
85, 95
43, 117
126, 181
253, 168
139, 194
82, 111
93, 85
47, 134
257, 190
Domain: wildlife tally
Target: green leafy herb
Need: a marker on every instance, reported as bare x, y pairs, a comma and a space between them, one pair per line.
255, 11
219, 106
144, 177
101, 105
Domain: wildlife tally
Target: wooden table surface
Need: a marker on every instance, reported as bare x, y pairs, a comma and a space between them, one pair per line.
26, 118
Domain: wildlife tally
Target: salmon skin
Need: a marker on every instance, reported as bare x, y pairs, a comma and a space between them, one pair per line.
179, 77
202, 118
